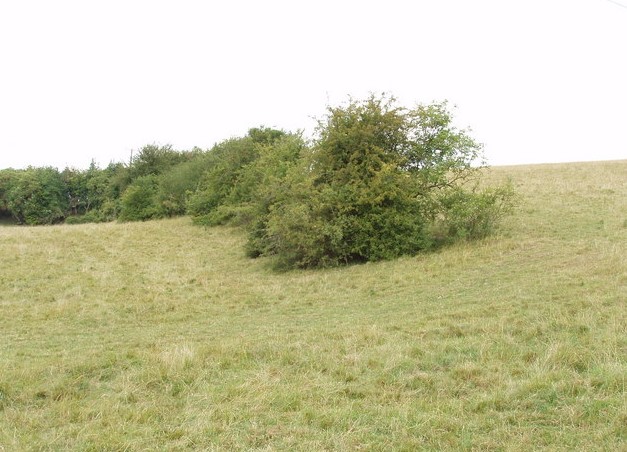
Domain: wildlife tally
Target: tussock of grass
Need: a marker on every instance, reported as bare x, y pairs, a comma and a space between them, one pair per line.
162, 335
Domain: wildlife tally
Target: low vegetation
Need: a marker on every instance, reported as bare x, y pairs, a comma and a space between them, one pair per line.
162, 335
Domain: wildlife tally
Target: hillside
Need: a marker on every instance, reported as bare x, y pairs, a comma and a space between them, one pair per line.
163, 335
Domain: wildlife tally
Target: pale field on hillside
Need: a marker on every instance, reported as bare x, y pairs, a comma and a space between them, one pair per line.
164, 336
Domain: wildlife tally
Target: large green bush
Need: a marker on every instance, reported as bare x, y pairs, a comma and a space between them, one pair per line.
178, 184
139, 200
37, 196
229, 181
249, 196
380, 181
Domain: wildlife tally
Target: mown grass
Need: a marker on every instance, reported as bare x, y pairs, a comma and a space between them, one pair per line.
163, 336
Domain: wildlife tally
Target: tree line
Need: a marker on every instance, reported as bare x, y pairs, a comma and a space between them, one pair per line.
378, 181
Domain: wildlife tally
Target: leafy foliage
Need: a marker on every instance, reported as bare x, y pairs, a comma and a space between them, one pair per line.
37, 196
471, 214
7, 178
154, 160
179, 183
104, 190
376, 181
139, 201
230, 181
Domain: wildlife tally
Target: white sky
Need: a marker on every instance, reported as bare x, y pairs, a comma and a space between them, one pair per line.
536, 80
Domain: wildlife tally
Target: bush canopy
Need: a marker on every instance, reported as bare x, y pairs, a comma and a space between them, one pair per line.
379, 181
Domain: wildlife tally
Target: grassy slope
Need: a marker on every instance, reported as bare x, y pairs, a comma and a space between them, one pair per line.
163, 335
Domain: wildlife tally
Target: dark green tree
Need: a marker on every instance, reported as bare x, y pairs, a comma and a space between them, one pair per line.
7, 179
139, 200
38, 196
154, 160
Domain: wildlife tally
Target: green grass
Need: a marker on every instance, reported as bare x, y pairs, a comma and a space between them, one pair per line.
163, 336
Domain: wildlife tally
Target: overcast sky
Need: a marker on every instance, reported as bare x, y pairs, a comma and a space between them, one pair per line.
536, 80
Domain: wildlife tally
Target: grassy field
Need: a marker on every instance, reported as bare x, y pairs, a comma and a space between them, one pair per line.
163, 336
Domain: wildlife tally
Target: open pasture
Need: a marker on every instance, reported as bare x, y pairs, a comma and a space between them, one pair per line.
164, 336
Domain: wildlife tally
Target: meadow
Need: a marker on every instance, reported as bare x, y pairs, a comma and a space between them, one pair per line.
163, 335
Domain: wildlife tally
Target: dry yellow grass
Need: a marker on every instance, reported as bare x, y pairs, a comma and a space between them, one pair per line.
163, 336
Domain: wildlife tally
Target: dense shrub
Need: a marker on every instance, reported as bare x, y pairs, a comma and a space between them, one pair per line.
139, 200
225, 160
178, 184
154, 160
226, 185
379, 182
468, 215
7, 179
37, 196
249, 197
